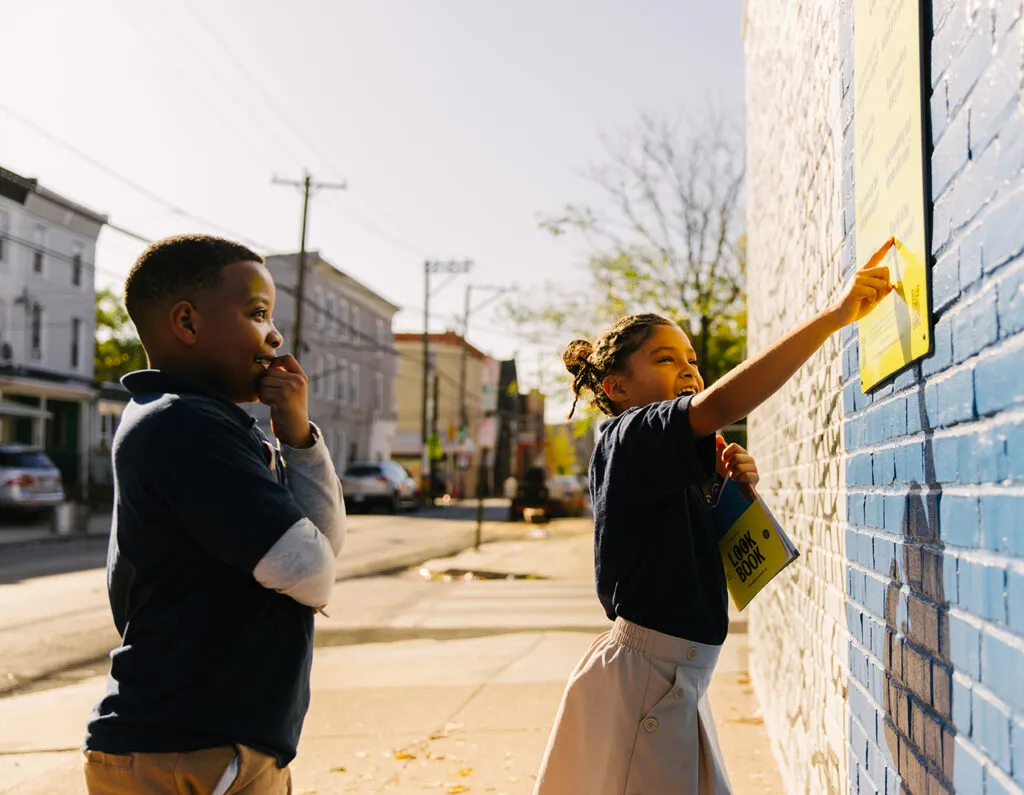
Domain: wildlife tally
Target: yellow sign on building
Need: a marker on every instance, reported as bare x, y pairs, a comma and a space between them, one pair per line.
889, 171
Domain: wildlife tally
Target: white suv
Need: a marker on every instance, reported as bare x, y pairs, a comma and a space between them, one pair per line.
386, 484
28, 479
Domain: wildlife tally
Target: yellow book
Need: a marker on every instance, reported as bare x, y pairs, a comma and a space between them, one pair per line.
754, 546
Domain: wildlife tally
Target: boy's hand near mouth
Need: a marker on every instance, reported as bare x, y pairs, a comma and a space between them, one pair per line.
285, 388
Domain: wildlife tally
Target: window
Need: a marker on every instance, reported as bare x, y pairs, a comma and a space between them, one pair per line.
355, 323
318, 306
332, 311
39, 245
345, 330
36, 332
318, 387
4, 225
343, 381
381, 342
332, 369
76, 342
76, 264
378, 393
355, 385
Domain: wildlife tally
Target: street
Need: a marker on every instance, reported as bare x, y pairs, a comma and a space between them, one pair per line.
440, 674
55, 619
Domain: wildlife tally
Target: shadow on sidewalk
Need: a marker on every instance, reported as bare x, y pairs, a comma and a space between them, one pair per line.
24, 562
458, 511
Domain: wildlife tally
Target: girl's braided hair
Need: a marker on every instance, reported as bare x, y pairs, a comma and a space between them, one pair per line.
589, 362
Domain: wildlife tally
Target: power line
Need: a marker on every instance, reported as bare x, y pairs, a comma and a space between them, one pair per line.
243, 138
259, 117
308, 186
142, 191
58, 255
236, 96
287, 117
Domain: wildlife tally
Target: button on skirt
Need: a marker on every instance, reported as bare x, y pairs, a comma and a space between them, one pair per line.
635, 719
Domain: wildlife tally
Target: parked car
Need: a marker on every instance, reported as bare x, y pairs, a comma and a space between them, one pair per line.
567, 495
28, 479
533, 493
554, 495
385, 484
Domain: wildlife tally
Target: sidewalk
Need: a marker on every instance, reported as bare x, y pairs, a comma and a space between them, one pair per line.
36, 531
437, 712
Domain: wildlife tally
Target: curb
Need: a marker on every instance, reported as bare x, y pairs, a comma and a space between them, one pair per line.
49, 538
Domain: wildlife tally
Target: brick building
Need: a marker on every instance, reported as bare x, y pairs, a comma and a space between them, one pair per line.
891, 655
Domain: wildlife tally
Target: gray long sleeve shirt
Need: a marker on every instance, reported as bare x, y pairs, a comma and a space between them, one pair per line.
302, 562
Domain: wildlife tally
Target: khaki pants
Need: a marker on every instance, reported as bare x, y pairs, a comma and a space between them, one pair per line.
190, 773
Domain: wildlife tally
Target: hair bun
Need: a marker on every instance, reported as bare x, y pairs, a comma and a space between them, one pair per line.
576, 356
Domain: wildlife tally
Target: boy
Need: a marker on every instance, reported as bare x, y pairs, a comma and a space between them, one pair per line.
218, 554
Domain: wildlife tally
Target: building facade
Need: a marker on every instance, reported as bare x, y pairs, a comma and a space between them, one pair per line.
461, 446
348, 353
47, 321
888, 658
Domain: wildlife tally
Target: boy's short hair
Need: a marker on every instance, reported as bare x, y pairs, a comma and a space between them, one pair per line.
176, 267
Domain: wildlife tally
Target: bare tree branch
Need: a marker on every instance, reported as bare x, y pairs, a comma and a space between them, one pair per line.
664, 230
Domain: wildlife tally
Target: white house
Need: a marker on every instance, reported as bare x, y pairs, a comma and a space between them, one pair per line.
47, 321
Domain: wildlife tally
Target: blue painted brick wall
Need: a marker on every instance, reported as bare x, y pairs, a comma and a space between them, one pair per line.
935, 457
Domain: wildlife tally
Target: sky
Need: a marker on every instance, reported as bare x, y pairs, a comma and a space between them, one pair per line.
454, 123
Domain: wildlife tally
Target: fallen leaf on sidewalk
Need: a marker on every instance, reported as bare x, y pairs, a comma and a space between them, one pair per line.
457, 789
404, 755
466, 771
338, 770
745, 721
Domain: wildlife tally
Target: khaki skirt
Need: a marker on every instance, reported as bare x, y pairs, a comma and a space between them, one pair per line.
635, 720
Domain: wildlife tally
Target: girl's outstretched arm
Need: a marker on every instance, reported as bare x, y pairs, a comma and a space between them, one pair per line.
745, 388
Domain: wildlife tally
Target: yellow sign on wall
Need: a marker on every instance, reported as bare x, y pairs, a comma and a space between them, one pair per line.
889, 171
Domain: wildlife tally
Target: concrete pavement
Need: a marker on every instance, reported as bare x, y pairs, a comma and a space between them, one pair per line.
59, 624
462, 704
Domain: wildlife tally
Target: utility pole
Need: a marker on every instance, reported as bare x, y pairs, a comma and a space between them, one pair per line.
463, 411
308, 187
452, 267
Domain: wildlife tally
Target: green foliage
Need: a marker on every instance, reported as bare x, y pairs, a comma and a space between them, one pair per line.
117, 349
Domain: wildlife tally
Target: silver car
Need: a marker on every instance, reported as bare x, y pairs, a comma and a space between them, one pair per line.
385, 484
28, 479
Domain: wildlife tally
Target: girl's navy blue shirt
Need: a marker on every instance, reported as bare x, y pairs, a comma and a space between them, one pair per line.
656, 557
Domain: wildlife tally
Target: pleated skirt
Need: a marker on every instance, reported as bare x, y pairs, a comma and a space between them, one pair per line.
635, 719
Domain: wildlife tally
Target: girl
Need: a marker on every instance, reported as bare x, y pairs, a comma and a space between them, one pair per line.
635, 717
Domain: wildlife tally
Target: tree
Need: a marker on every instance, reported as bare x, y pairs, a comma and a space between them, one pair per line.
665, 236
118, 349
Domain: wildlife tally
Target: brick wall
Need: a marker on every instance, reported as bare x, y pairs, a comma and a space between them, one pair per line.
929, 530
795, 235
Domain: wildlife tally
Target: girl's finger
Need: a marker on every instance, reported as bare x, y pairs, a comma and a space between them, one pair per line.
879, 255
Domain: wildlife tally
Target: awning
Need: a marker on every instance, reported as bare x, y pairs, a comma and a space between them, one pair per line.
8, 408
